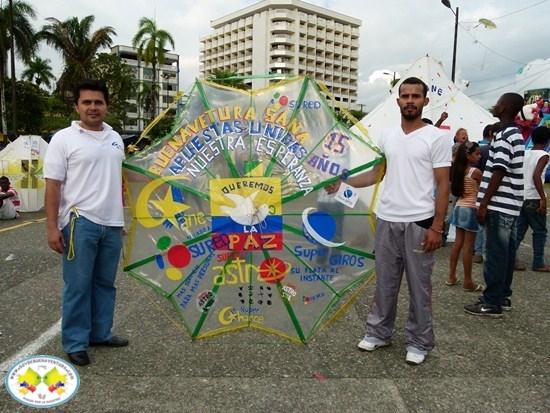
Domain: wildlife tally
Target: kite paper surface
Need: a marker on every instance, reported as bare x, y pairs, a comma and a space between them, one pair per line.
229, 216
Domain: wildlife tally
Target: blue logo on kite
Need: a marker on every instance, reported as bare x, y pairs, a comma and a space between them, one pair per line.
319, 227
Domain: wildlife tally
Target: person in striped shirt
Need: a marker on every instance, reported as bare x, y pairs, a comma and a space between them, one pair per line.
499, 202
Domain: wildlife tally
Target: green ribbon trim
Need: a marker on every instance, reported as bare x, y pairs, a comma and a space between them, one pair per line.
329, 181
151, 175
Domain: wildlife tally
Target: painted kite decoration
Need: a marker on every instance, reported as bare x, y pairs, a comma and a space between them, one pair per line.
229, 216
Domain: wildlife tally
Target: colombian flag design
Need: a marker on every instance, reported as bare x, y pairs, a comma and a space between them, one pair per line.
246, 214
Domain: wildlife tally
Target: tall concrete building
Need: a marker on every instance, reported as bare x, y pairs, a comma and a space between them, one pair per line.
286, 37
168, 81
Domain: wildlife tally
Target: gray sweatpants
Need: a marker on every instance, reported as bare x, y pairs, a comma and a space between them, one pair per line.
398, 248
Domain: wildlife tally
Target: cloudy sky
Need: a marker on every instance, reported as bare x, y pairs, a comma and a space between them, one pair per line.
394, 33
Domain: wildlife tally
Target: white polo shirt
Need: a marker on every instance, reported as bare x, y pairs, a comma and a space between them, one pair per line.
408, 192
89, 166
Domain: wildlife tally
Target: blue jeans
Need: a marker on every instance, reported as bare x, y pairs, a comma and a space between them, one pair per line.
89, 291
479, 246
500, 232
529, 217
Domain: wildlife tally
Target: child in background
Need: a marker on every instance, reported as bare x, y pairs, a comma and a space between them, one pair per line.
465, 182
9, 201
533, 210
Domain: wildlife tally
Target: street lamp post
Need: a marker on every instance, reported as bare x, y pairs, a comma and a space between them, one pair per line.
13, 84
447, 4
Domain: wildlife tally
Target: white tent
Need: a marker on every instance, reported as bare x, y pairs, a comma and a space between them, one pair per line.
444, 97
21, 161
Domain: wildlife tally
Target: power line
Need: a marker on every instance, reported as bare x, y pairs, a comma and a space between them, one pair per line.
532, 77
497, 18
494, 51
512, 12
488, 79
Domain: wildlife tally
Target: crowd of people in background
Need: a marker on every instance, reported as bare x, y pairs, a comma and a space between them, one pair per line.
497, 193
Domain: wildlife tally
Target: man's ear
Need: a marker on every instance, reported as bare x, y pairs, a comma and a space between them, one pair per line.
426, 101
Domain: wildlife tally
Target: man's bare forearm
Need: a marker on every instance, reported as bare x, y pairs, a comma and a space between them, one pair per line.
51, 202
441, 202
368, 178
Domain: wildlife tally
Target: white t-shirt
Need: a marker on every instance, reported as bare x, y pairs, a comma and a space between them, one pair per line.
89, 166
408, 192
530, 161
7, 210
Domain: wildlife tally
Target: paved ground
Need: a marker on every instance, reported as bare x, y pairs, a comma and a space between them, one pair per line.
479, 365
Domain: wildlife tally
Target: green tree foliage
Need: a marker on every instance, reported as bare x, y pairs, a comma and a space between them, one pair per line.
146, 98
56, 115
162, 128
394, 82
39, 71
24, 40
151, 43
78, 45
227, 78
121, 84
357, 114
31, 105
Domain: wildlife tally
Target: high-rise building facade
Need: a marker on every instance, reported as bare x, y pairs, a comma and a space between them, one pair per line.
167, 80
286, 37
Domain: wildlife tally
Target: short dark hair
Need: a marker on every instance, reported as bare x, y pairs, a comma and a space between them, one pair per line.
540, 135
414, 81
488, 131
514, 102
91, 84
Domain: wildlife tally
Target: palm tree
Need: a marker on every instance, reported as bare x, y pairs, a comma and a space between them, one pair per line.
151, 43
24, 39
78, 45
146, 101
39, 71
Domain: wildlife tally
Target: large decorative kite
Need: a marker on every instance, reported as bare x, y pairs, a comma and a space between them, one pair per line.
230, 219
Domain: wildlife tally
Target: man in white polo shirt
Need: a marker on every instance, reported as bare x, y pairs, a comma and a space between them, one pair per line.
83, 171
409, 224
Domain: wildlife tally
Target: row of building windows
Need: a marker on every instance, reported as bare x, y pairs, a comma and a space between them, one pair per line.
215, 45
328, 25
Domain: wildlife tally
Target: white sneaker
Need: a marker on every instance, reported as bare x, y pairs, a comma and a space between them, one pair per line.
371, 344
415, 358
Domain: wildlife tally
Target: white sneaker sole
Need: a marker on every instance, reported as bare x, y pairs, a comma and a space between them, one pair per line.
414, 362
371, 347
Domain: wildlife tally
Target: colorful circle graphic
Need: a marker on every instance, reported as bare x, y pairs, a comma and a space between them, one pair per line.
273, 270
179, 256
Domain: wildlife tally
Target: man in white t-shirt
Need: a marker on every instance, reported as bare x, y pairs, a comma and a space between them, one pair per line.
533, 210
409, 223
83, 171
